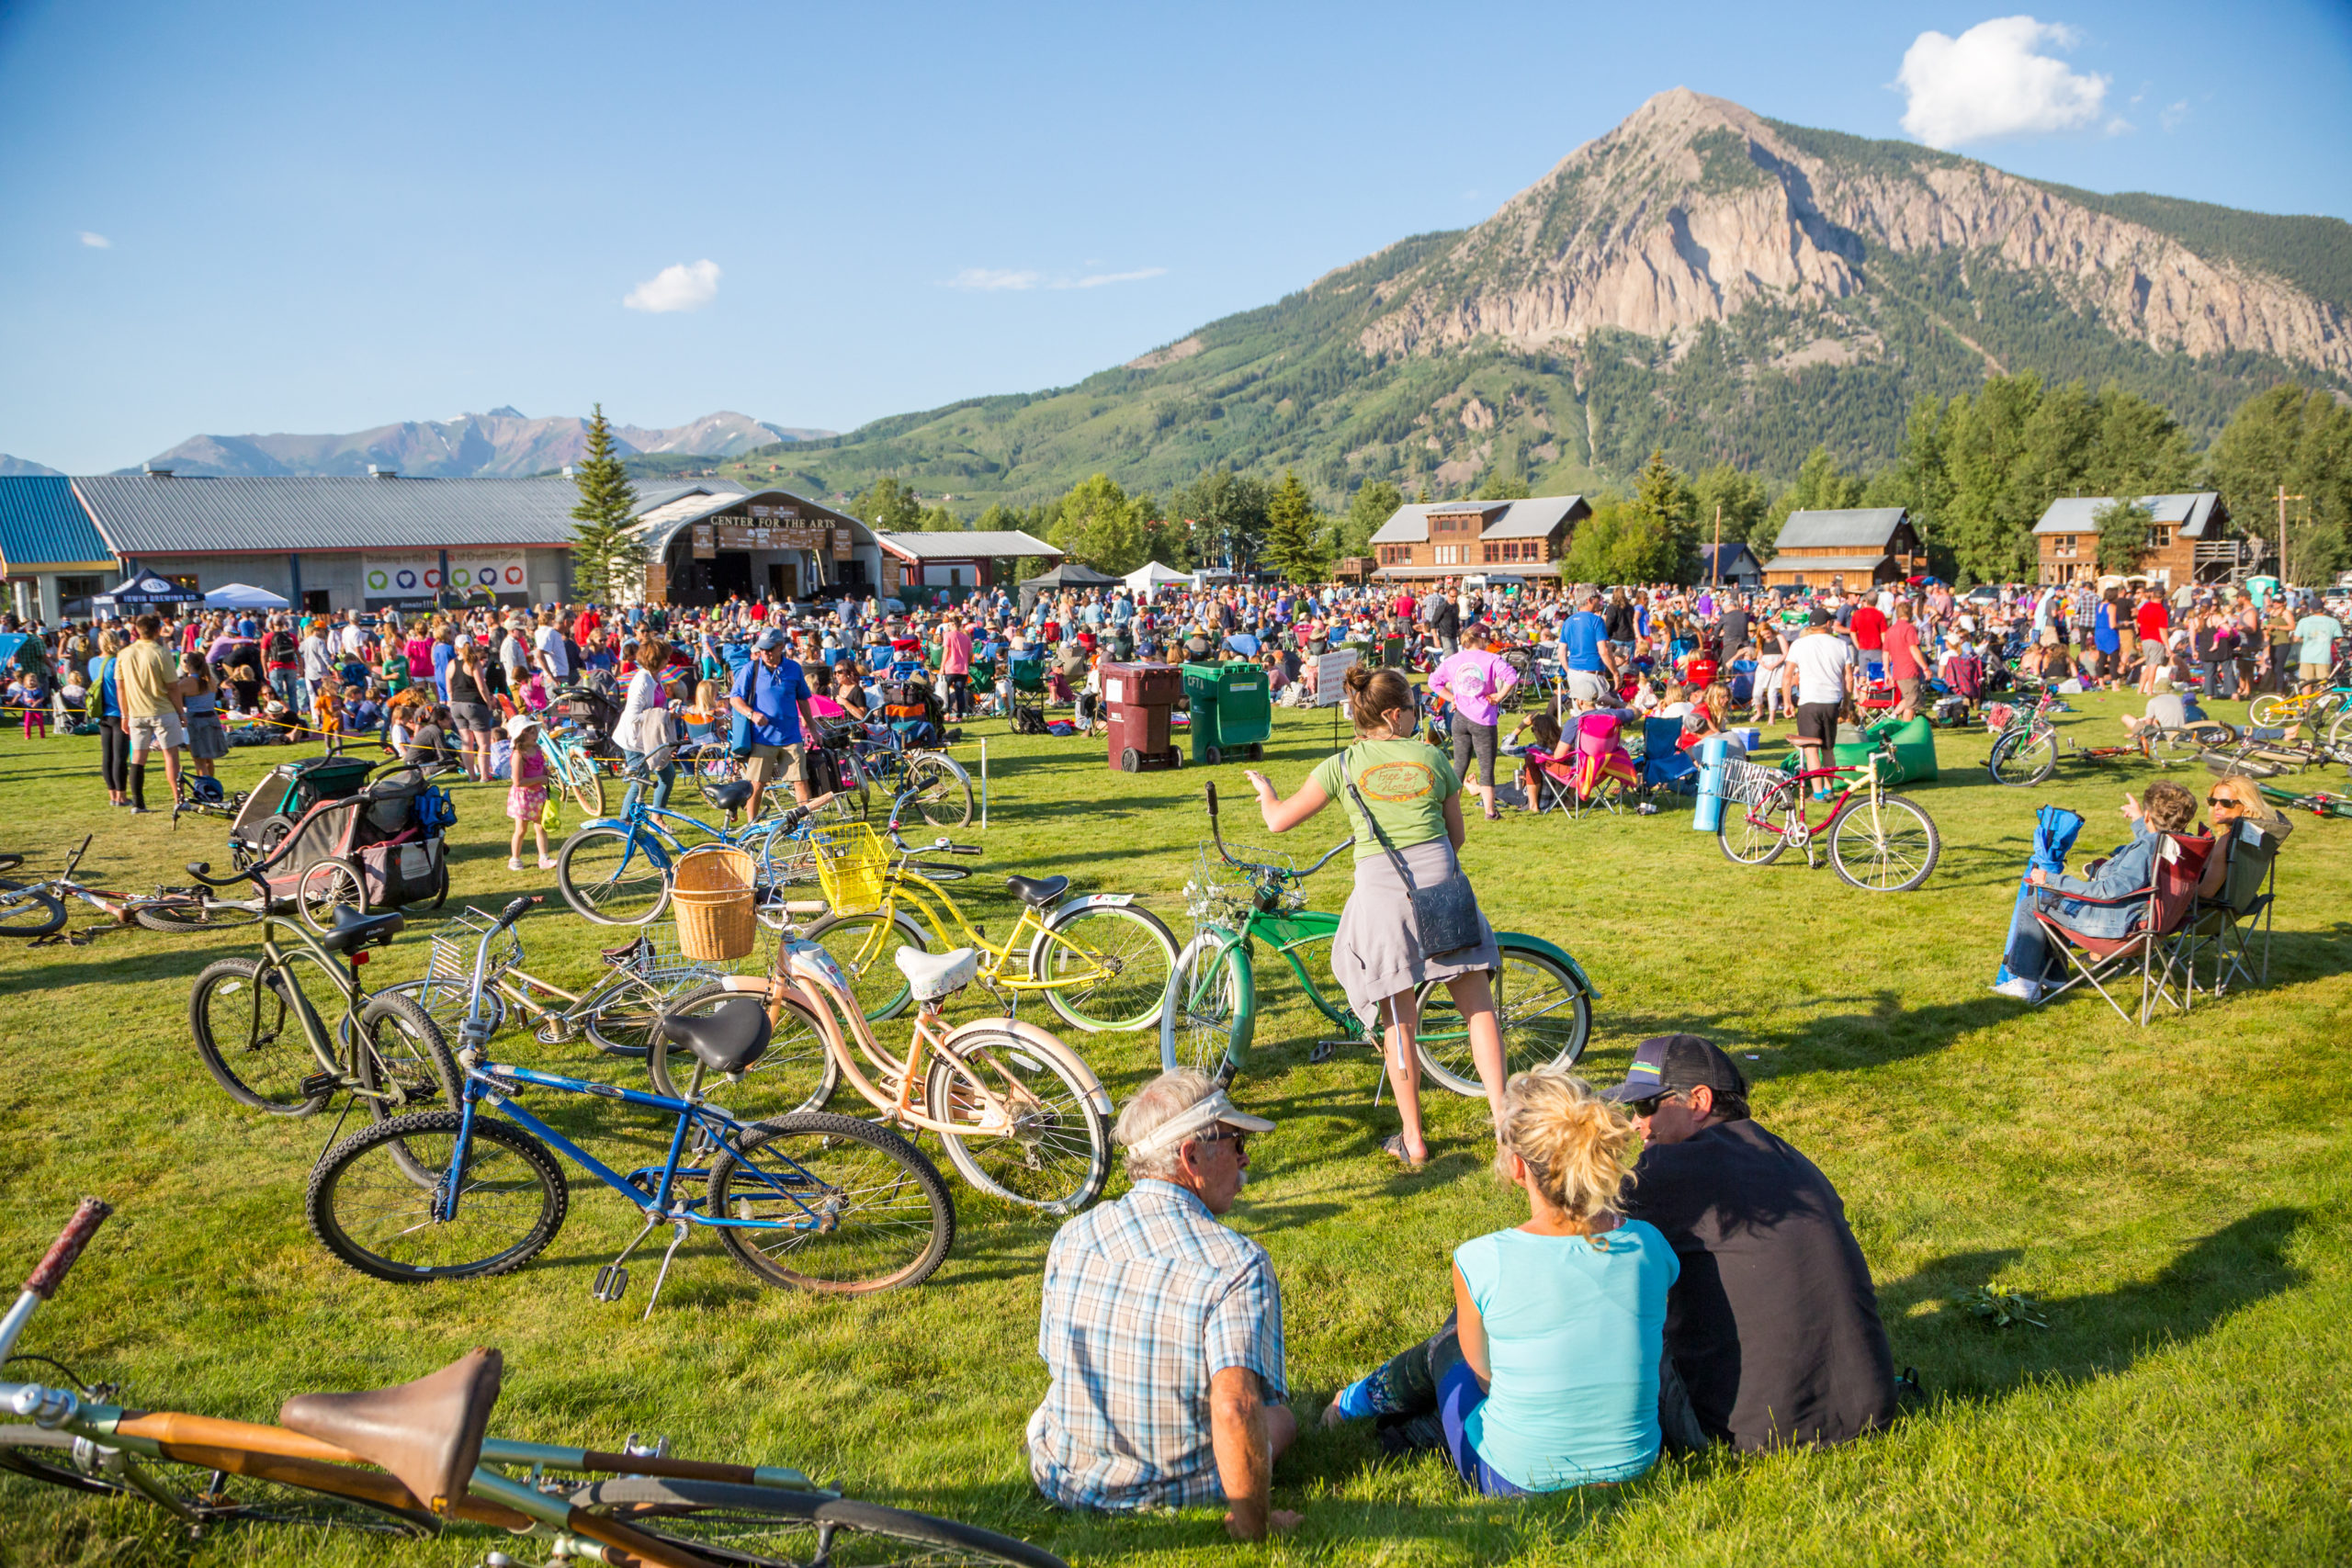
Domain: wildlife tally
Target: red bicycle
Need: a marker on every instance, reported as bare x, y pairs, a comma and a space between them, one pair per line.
1879, 843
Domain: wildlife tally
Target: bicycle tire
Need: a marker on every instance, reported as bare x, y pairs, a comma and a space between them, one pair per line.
179, 916
266, 1069
445, 1002
2023, 759
2339, 728
1744, 832
29, 912
411, 1080
770, 1525
2271, 707
1881, 862
1032, 1166
893, 1184
1211, 1012
214, 1497
1150, 955
10, 859
583, 784
403, 1209
863, 945
1530, 992
795, 1074
326, 885
611, 898
267, 835
939, 789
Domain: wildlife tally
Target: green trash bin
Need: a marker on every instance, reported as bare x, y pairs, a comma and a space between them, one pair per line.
1232, 713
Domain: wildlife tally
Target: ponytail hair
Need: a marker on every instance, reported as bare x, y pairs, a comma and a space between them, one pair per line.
1371, 694
1574, 1142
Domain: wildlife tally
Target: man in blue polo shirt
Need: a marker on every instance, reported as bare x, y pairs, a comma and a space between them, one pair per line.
771, 692
1586, 653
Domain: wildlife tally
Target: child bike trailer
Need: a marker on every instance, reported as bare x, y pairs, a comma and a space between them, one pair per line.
383, 848
285, 795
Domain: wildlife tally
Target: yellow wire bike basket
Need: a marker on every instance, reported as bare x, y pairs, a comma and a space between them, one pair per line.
853, 863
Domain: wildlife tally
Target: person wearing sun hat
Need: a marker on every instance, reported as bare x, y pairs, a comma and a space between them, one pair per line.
1163, 1329
1773, 1322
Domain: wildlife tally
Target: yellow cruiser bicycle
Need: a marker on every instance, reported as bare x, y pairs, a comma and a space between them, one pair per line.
1102, 962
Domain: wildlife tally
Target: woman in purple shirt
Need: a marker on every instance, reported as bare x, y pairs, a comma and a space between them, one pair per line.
1474, 681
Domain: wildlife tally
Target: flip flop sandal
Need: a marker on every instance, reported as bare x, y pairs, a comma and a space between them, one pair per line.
1395, 1149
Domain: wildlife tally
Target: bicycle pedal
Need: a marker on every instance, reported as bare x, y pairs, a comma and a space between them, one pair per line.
1323, 1050
612, 1283
318, 1084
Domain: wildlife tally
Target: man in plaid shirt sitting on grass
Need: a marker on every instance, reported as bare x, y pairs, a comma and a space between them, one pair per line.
1163, 1329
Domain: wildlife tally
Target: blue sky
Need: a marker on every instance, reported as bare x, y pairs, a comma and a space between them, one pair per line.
232, 218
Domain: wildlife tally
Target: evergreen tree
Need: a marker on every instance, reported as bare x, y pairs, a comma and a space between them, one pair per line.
2122, 526
1664, 506
1742, 497
1373, 503
890, 506
1294, 533
608, 561
2301, 440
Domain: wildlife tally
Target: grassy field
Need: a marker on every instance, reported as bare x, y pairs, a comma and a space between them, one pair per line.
2175, 1198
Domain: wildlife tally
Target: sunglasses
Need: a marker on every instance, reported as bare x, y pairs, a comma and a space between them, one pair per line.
2219, 801
1238, 1140
1648, 1107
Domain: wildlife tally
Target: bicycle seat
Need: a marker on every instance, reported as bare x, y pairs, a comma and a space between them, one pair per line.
937, 975
727, 1039
427, 1433
625, 954
732, 796
356, 928
1038, 889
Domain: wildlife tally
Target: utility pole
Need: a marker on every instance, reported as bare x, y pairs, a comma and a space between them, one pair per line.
1715, 570
2283, 498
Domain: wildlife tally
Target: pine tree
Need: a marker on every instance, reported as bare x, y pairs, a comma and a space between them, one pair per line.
890, 507
1663, 507
1294, 533
608, 561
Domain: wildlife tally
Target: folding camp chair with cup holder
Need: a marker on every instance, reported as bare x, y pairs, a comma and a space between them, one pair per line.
2228, 924
2150, 950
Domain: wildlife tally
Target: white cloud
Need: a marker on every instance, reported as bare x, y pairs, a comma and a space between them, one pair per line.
2174, 114
991, 279
1992, 81
96, 242
1097, 280
684, 287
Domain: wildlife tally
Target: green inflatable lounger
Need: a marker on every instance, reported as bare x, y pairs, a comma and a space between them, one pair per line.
1915, 749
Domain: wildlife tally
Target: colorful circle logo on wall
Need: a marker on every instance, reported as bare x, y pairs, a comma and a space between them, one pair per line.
404, 579
515, 577
461, 577
378, 581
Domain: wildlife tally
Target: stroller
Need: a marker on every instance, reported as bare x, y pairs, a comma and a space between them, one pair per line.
379, 847
285, 795
591, 713
914, 712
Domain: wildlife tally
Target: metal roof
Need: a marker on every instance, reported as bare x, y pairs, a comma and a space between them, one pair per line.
143, 514
1859, 527
1825, 563
1530, 519
966, 545
42, 524
2195, 511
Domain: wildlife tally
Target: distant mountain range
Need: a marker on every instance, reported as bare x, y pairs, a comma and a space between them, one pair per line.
12, 467
1700, 279
502, 444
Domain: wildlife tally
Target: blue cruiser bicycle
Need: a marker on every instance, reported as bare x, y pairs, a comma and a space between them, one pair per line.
809, 1200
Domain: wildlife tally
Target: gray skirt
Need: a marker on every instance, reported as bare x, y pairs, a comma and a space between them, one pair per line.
206, 740
1377, 952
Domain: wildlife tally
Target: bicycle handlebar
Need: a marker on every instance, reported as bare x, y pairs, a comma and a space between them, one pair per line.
50, 1272
1287, 873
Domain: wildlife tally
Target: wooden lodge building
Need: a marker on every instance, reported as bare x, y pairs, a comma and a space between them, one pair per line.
1430, 539
2185, 544
1845, 549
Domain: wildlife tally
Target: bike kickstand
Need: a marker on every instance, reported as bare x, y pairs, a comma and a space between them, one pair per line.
677, 1239
612, 1281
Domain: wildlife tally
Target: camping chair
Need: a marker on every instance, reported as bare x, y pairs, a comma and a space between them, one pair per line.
2165, 905
1549, 781
1665, 765
1604, 773
2227, 925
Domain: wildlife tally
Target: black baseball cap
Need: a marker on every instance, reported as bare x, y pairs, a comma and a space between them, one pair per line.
1670, 1063
1819, 617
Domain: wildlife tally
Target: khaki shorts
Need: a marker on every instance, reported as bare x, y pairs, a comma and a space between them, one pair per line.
766, 764
160, 732
2313, 672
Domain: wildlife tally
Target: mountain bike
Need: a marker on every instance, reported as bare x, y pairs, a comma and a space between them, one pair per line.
1543, 1000
1879, 843
807, 1201
36, 907
1099, 960
409, 1460
1023, 1117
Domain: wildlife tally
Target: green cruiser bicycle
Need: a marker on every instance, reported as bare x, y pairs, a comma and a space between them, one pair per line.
1543, 999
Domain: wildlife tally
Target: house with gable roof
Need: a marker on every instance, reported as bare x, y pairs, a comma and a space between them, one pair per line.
1850, 548
1430, 539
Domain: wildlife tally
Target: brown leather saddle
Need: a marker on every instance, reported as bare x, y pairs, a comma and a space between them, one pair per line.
427, 1433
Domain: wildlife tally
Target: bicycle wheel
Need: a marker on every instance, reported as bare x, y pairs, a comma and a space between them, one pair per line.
865, 945
1545, 1015
444, 1002
610, 875
1056, 1155
194, 913
326, 885
366, 1209
214, 1497
583, 784
1750, 834
795, 1074
857, 1208
1210, 1010
2027, 758
249, 1036
939, 788
402, 1059
1889, 851
753, 1525
2271, 707
2339, 728
1117, 957
29, 912
10, 859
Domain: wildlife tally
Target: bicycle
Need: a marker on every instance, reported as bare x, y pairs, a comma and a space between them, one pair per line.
1879, 843
1101, 961
408, 1461
36, 908
1023, 1117
2026, 749
2314, 703
934, 782
573, 770
1543, 999
847, 1207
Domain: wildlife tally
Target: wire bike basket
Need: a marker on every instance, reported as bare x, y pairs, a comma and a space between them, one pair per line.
1752, 783
455, 940
853, 863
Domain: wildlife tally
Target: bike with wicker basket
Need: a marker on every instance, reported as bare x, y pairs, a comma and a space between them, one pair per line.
1879, 842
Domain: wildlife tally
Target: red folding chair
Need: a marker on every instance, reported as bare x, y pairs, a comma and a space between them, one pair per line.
2152, 946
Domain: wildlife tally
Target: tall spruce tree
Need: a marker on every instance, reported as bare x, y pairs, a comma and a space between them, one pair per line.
1294, 533
608, 561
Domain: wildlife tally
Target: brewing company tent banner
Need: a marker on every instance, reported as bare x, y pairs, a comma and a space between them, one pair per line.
418, 577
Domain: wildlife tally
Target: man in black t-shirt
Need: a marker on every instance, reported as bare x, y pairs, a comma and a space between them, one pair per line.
1773, 1323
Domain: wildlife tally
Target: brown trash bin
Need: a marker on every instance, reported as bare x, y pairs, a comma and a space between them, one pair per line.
1140, 698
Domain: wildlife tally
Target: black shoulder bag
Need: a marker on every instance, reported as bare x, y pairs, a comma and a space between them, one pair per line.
1445, 916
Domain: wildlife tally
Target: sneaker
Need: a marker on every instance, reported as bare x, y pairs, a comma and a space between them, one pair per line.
514, 862
2025, 991
546, 863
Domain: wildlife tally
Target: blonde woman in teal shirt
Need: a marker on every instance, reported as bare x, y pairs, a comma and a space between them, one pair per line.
1548, 1375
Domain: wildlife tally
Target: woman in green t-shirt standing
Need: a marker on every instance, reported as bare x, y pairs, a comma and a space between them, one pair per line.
1415, 798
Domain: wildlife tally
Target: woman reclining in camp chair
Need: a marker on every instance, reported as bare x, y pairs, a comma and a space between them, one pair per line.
2166, 807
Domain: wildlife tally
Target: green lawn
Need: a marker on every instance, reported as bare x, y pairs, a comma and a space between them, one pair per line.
2173, 1197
